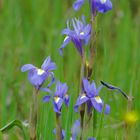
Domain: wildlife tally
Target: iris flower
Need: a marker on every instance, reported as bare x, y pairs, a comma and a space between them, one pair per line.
101, 6
91, 97
79, 35
75, 130
60, 96
37, 76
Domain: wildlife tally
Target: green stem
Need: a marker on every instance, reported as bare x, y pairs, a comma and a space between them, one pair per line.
33, 116
82, 107
58, 127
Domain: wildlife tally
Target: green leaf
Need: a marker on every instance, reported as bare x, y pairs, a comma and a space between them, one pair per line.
12, 124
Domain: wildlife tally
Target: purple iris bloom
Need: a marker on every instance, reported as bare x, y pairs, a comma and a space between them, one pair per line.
60, 96
79, 35
91, 97
75, 130
63, 133
101, 6
37, 76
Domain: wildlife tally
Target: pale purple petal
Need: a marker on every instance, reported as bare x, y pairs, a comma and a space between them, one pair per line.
57, 104
46, 90
36, 79
75, 129
99, 89
96, 105
67, 100
91, 138
46, 98
81, 99
27, 67
77, 4
107, 109
52, 80
48, 65
66, 41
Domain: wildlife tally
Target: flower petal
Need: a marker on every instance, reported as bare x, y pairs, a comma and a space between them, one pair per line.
57, 104
81, 99
46, 98
107, 109
77, 4
75, 129
103, 5
27, 67
91, 138
48, 65
97, 105
52, 80
61, 89
36, 79
67, 100
46, 90
66, 41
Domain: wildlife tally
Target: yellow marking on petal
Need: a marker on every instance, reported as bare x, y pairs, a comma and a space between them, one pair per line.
56, 99
66, 38
98, 99
83, 96
131, 117
82, 33
40, 71
103, 1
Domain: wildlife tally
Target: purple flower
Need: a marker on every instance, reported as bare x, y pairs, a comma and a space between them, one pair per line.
60, 96
91, 97
37, 76
101, 6
79, 35
75, 130
91, 138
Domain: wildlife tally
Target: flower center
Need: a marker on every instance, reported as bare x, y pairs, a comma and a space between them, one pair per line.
40, 71
98, 99
56, 99
83, 96
82, 33
103, 1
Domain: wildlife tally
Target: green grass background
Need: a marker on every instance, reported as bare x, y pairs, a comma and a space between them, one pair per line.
31, 30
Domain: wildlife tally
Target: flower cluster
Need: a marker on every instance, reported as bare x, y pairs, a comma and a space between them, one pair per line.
79, 33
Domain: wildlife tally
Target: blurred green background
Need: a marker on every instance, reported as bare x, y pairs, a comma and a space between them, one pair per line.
31, 30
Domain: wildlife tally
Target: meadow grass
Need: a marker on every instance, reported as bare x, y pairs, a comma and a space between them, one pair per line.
31, 30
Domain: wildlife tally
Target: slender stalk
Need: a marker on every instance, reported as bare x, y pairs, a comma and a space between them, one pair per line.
33, 116
82, 107
58, 127
92, 54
